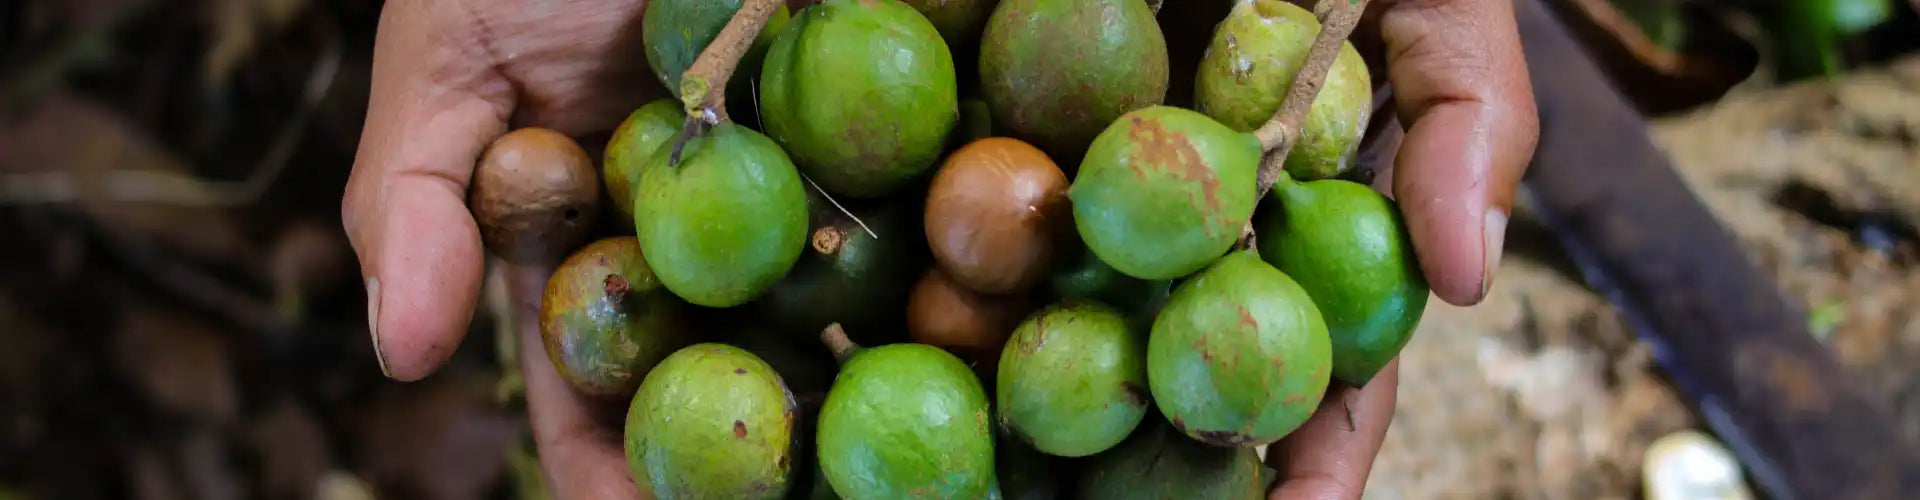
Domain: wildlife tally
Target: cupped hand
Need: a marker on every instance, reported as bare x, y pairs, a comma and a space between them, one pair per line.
450, 76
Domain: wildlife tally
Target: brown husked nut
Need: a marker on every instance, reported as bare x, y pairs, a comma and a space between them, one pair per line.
535, 195
996, 214
972, 325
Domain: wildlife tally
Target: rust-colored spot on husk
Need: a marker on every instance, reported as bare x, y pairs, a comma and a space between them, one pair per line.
1136, 395
739, 371
1173, 154
739, 429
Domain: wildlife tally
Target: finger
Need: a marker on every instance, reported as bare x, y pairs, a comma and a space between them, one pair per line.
432, 110
578, 439
1461, 87
1329, 457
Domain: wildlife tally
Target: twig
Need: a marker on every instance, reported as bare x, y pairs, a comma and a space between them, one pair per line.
1154, 5
843, 210
703, 88
1279, 134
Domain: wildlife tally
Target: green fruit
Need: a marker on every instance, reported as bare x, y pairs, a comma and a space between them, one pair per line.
1157, 463
712, 421
906, 421
1250, 65
1056, 72
959, 21
727, 222
862, 93
848, 275
605, 319
632, 144
1164, 191
1073, 379
976, 122
1347, 245
1092, 279
674, 33
1239, 356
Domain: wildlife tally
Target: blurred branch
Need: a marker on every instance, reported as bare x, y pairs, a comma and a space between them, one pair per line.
168, 187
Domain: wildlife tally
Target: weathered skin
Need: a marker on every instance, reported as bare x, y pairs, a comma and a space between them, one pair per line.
1090, 278
906, 421
606, 321
632, 144
848, 276
1246, 71
712, 421
675, 31
1164, 191
1347, 245
1057, 72
862, 93
1073, 379
1158, 463
727, 222
1239, 356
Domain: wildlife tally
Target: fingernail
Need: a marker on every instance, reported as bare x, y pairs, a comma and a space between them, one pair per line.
1494, 236
373, 323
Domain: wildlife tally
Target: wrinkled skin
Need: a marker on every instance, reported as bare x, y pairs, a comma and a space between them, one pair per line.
443, 85
1348, 247
1239, 356
727, 222
632, 144
1057, 72
1073, 379
861, 93
712, 421
606, 319
906, 421
1164, 191
1248, 68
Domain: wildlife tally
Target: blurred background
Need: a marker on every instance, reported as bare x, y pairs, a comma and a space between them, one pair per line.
180, 315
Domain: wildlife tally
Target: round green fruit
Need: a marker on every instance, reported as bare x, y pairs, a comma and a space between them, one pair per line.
847, 274
727, 222
1159, 463
1164, 191
1056, 72
1239, 356
1347, 245
906, 421
606, 320
1073, 379
862, 93
632, 144
1246, 73
712, 421
1090, 278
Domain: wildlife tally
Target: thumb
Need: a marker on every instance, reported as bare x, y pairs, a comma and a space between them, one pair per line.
432, 110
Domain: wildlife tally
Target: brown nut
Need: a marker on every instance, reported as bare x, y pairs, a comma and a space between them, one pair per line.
968, 323
535, 195
996, 214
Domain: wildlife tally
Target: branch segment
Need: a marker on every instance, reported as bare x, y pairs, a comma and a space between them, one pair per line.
703, 86
1278, 135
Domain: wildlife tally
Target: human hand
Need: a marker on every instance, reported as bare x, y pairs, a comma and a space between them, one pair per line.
448, 78
1459, 83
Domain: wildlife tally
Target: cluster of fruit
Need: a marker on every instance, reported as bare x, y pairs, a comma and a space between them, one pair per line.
1002, 309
